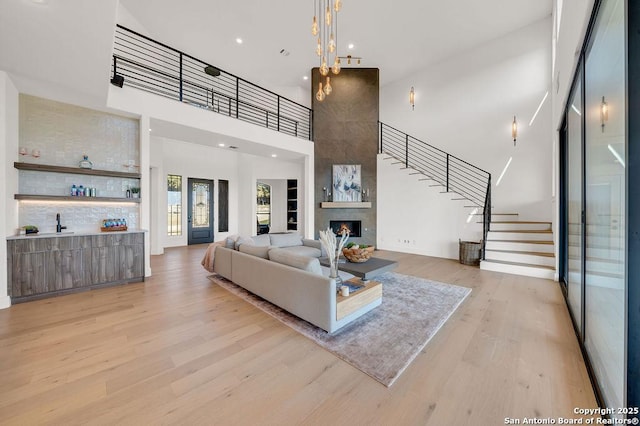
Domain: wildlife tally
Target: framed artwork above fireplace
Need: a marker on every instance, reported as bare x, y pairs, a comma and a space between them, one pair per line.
347, 183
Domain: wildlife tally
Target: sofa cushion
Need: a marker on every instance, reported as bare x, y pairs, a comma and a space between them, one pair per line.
244, 240
258, 251
291, 239
303, 251
262, 240
286, 257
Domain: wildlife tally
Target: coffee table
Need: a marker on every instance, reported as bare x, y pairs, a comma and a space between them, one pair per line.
365, 270
370, 292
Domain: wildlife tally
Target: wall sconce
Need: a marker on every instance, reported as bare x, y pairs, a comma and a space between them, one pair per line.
514, 130
604, 113
412, 98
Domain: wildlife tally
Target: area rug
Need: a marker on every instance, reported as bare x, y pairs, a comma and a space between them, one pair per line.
383, 342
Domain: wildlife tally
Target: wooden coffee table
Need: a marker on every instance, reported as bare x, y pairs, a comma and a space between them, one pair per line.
371, 292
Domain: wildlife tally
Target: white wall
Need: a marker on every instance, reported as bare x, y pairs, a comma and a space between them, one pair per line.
465, 106
191, 160
8, 154
416, 218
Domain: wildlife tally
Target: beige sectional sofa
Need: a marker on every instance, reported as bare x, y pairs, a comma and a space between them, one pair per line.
287, 273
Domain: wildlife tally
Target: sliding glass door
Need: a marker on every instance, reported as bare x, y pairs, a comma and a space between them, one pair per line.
574, 204
595, 201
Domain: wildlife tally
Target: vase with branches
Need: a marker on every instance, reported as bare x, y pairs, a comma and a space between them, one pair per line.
333, 247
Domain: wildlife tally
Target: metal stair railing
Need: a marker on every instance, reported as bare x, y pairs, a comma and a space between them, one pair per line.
453, 174
154, 67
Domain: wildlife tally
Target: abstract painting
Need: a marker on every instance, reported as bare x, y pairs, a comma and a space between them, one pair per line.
347, 184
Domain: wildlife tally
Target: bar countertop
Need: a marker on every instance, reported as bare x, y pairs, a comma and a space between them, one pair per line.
71, 234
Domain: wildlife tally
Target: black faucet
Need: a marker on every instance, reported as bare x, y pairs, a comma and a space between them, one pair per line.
59, 227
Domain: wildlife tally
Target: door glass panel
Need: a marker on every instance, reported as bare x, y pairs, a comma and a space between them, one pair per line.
200, 206
574, 203
605, 201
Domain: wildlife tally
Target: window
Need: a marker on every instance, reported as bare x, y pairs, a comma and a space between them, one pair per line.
264, 207
174, 204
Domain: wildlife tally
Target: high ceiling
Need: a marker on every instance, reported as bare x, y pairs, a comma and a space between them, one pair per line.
65, 45
399, 37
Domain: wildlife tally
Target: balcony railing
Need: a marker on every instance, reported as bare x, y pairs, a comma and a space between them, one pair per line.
160, 69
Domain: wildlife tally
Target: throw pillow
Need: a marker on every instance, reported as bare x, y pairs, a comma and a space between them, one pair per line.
243, 240
230, 242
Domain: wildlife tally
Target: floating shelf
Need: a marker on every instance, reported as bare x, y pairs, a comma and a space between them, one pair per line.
345, 205
78, 199
74, 170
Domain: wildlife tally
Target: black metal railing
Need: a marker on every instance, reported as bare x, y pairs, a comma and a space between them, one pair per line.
160, 69
453, 174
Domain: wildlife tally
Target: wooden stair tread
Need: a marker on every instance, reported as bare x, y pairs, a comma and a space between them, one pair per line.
520, 221
528, 265
523, 241
532, 253
524, 231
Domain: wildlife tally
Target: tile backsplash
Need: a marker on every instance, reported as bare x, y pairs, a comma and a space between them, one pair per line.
61, 134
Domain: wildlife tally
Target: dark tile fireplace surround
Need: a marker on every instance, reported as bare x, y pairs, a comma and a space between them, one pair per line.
345, 130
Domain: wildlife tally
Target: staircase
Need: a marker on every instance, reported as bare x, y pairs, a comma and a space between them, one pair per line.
456, 177
519, 247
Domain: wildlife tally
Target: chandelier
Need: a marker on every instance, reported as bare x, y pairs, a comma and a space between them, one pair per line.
325, 30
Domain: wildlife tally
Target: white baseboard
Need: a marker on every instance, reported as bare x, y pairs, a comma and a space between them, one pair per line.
5, 302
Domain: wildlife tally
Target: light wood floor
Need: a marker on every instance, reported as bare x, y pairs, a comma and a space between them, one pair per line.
178, 349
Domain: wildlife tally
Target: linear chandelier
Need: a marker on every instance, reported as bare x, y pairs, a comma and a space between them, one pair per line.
325, 30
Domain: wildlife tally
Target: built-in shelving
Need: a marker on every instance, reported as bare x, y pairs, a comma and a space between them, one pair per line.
292, 204
345, 205
78, 171
74, 170
78, 199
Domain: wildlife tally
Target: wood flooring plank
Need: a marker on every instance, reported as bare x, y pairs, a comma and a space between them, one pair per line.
179, 349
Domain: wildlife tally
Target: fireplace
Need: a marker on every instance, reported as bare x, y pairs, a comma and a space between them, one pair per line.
353, 227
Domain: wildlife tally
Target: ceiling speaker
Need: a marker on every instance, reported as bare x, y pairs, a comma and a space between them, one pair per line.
212, 71
117, 80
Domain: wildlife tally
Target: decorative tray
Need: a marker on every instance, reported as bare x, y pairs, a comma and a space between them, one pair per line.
113, 228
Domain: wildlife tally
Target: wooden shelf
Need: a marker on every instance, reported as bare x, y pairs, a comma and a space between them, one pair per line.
345, 205
74, 170
78, 199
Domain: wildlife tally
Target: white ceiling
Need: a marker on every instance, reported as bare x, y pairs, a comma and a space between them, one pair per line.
68, 42
400, 37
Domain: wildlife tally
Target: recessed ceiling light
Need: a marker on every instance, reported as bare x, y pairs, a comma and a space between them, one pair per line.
274, 155
285, 52
350, 46
220, 144
233, 147
239, 40
305, 77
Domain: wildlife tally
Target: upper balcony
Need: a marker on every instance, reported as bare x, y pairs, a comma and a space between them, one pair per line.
143, 63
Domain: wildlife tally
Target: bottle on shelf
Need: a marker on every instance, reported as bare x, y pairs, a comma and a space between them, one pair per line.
74, 190
80, 191
86, 163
